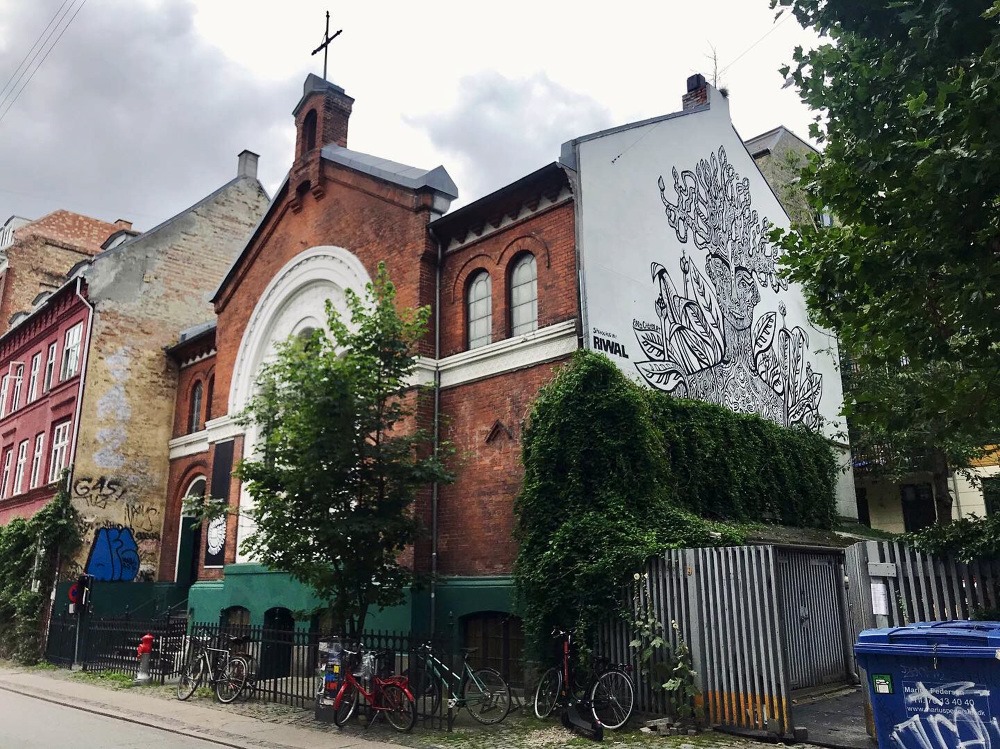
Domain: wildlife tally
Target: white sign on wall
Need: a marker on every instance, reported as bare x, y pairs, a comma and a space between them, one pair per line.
680, 284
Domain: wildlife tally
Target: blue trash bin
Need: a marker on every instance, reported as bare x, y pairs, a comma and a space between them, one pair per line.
932, 684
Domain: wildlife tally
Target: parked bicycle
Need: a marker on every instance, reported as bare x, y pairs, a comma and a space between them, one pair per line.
225, 673
607, 693
387, 695
483, 692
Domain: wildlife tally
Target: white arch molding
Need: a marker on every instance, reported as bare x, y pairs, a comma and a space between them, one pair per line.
293, 301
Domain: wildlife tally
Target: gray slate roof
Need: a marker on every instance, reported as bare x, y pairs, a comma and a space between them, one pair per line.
410, 177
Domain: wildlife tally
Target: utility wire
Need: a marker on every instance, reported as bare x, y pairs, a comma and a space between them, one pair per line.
42, 61
744, 52
26, 54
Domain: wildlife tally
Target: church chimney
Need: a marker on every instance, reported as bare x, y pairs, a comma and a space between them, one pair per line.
697, 92
321, 116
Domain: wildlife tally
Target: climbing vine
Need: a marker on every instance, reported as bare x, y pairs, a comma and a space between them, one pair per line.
30, 551
616, 473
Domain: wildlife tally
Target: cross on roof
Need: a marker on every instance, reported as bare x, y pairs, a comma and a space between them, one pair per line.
326, 42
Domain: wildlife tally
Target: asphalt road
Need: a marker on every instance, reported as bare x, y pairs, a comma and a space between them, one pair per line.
29, 723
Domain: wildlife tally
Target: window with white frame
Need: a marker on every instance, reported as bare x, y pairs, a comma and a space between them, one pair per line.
22, 459
50, 367
480, 310
71, 352
60, 450
36, 362
36, 459
15, 396
4, 382
524, 296
5, 484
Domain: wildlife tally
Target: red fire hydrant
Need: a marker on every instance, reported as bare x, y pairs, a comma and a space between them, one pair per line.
144, 652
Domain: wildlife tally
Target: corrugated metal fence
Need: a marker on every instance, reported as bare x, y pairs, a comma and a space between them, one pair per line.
744, 612
893, 585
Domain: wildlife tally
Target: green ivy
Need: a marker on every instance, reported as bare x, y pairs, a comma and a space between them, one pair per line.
616, 473
30, 551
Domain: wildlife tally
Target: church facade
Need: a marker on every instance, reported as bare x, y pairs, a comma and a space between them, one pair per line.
568, 256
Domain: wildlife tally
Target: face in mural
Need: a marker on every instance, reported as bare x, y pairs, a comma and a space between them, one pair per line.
737, 293
706, 342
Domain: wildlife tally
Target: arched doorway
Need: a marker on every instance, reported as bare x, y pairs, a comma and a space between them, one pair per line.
189, 537
276, 648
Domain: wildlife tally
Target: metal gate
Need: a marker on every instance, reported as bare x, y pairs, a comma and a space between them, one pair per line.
814, 614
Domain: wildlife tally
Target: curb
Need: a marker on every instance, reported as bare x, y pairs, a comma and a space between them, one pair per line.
98, 709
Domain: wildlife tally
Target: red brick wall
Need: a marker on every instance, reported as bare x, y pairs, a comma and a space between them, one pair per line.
372, 219
475, 513
549, 236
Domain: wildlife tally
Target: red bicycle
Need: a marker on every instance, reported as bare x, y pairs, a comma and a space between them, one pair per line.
386, 695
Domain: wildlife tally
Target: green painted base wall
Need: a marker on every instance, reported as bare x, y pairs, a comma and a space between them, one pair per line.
255, 588
141, 600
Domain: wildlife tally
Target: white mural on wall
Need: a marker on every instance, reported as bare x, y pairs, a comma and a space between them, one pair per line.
680, 285
706, 342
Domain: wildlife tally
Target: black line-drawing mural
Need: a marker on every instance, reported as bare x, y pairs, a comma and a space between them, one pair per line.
705, 343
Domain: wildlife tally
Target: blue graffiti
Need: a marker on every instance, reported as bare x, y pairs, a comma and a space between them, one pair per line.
114, 556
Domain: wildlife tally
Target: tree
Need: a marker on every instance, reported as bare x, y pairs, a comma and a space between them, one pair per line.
908, 97
340, 459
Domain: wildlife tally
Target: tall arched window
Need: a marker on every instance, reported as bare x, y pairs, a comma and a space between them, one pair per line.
309, 131
524, 295
208, 398
480, 310
194, 415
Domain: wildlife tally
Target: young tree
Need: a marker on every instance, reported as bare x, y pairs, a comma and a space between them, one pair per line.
339, 458
908, 97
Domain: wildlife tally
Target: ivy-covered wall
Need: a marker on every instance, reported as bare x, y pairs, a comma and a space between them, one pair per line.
30, 552
615, 473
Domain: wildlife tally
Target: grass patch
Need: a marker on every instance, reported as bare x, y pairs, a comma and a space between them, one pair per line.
106, 678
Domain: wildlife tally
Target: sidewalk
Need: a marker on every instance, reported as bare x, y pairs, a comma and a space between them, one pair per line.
228, 728
270, 726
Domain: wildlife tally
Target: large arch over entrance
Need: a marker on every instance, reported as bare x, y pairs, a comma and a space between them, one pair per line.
294, 301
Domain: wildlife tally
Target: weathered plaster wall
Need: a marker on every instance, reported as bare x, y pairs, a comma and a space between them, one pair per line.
144, 293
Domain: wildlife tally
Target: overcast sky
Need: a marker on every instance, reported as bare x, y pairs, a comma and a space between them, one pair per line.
141, 107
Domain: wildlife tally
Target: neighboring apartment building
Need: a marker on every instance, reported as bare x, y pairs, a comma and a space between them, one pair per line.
43, 358
615, 247
83, 383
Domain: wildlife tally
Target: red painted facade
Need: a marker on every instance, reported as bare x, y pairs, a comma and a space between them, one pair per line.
41, 364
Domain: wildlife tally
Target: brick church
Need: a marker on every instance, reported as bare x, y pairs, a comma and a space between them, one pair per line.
517, 281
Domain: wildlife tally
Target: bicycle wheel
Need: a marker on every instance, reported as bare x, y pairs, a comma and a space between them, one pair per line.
486, 696
191, 678
425, 689
398, 707
612, 699
251, 684
232, 681
345, 704
547, 693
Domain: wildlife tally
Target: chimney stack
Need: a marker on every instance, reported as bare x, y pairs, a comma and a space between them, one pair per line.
697, 92
123, 224
247, 165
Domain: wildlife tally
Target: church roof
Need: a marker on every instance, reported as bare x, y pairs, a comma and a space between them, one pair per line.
410, 177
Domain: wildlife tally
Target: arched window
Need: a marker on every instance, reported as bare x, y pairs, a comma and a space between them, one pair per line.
524, 295
480, 310
208, 398
194, 415
309, 131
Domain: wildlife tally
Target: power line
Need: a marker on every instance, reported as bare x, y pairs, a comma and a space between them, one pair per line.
42, 61
744, 52
26, 54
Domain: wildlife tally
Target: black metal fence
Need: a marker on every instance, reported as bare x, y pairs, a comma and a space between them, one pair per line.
287, 666
110, 644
